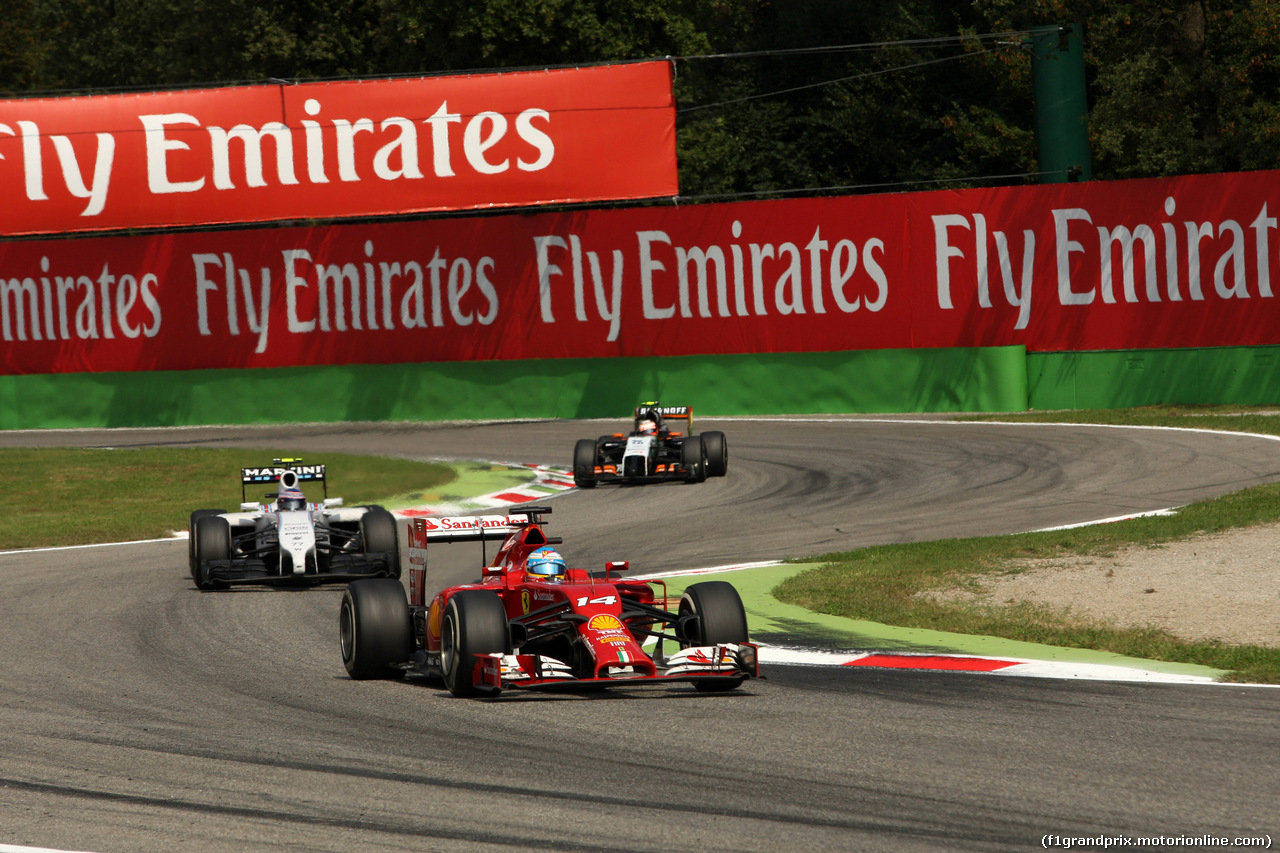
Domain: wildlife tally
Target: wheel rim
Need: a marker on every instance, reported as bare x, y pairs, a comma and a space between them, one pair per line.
448, 646
348, 633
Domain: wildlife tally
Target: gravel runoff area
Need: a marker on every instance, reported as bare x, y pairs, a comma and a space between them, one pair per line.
1223, 586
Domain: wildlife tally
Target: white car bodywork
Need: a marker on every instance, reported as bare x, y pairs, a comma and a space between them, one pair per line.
639, 446
287, 539
295, 531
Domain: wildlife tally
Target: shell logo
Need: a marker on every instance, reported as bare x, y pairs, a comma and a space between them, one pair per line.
605, 622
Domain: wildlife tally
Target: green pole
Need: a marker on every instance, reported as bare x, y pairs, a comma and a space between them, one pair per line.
1062, 118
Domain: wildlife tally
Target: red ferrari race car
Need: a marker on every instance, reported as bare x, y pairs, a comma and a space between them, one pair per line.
531, 623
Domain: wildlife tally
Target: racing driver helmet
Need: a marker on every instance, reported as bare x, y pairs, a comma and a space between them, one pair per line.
647, 427
545, 563
290, 499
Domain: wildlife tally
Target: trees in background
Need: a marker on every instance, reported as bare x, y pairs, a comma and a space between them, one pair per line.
917, 94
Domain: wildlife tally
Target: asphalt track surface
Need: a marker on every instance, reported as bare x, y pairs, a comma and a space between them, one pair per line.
139, 714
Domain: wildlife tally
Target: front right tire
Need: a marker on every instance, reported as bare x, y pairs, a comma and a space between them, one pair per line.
584, 464
212, 542
191, 535
475, 623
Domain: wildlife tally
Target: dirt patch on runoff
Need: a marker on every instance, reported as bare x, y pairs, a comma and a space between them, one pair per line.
1223, 586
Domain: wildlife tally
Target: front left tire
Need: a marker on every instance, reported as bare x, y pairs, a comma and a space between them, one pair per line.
721, 619
717, 448
378, 533
693, 458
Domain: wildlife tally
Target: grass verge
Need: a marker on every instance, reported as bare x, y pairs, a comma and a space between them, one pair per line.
883, 584
74, 496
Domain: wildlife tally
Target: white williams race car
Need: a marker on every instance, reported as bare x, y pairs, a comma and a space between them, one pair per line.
289, 540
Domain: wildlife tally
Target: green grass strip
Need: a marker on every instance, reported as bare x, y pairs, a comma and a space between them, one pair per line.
73, 496
885, 584
1256, 419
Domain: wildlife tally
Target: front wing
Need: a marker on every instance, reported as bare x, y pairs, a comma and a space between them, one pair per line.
342, 568
729, 664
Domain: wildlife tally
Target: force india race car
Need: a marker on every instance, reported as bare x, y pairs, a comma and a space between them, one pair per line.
289, 540
652, 452
517, 629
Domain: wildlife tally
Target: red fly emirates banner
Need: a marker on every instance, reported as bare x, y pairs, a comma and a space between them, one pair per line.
327, 150
1184, 262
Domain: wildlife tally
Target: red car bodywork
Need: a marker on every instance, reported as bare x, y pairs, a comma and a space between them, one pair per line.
588, 628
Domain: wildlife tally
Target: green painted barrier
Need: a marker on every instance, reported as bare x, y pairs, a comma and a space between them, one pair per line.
1114, 380
986, 379
919, 380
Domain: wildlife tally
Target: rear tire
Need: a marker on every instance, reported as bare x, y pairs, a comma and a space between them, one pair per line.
693, 458
375, 628
213, 542
191, 536
717, 453
475, 623
378, 532
721, 619
584, 464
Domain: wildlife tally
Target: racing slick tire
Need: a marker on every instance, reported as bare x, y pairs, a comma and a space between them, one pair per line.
721, 616
212, 542
717, 453
584, 464
475, 623
375, 628
378, 533
693, 458
721, 619
191, 536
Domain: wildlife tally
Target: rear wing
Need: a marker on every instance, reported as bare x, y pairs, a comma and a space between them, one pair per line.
677, 418
472, 528
272, 474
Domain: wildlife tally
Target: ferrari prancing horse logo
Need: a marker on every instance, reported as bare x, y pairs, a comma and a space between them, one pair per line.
524, 600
